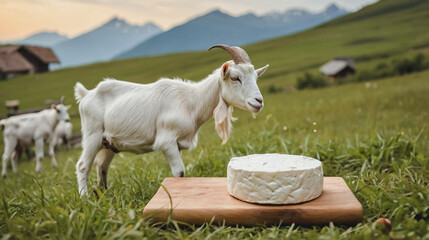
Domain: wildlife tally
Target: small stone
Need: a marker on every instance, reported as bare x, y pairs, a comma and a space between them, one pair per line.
383, 224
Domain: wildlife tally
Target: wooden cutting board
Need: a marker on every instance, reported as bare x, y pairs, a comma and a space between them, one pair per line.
199, 200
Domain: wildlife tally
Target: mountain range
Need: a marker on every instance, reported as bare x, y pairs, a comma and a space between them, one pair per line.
44, 39
218, 27
118, 39
104, 42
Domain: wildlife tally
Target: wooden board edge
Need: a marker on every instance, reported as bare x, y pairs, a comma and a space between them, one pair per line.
161, 215
353, 217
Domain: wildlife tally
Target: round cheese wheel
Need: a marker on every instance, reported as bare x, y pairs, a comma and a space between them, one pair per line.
275, 178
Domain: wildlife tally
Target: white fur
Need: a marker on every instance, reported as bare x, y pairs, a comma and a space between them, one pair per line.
62, 133
31, 129
161, 116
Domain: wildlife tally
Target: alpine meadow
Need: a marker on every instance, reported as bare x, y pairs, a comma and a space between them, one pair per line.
373, 133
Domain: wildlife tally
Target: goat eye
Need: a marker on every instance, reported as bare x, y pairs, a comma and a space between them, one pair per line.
58, 111
237, 79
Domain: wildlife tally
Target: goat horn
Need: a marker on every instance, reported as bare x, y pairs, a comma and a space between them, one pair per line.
62, 100
237, 54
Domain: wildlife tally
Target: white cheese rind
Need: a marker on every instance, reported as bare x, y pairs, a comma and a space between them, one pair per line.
275, 178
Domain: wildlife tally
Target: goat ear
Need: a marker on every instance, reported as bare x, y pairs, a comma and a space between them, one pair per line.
261, 70
224, 70
222, 120
53, 106
68, 107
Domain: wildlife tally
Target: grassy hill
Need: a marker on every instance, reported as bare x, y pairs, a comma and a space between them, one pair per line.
380, 32
371, 134
369, 38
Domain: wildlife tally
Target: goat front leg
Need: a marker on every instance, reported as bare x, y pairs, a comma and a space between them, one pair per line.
52, 152
67, 143
39, 154
172, 154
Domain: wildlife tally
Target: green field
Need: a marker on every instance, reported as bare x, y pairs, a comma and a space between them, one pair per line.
374, 135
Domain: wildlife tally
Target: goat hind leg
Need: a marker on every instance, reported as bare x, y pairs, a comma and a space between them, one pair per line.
90, 144
29, 154
9, 147
16, 155
102, 162
5, 159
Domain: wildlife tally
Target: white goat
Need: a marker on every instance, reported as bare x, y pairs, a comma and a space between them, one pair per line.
31, 129
62, 133
162, 116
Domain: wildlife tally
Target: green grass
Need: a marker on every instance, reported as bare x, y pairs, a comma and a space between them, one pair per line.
374, 136
403, 31
379, 150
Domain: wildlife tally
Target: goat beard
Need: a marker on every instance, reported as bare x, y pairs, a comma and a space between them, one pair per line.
223, 117
254, 114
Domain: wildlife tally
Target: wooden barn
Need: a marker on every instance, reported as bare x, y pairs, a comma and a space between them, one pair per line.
21, 59
339, 67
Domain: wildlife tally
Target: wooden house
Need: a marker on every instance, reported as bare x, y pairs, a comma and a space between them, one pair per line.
339, 67
21, 59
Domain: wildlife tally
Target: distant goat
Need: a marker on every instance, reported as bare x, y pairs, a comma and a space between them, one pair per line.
162, 116
31, 129
62, 133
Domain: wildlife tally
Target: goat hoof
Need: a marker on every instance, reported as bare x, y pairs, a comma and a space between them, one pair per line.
182, 174
98, 191
4, 176
96, 194
101, 187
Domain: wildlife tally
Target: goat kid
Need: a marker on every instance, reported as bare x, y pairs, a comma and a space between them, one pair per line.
162, 116
31, 129
62, 134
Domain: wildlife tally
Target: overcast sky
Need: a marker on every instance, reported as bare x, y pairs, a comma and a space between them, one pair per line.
20, 18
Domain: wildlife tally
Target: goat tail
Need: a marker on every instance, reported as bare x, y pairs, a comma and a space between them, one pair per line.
79, 92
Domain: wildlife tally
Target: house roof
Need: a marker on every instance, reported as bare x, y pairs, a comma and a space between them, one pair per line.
333, 67
337, 65
8, 48
12, 60
46, 55
349, 61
